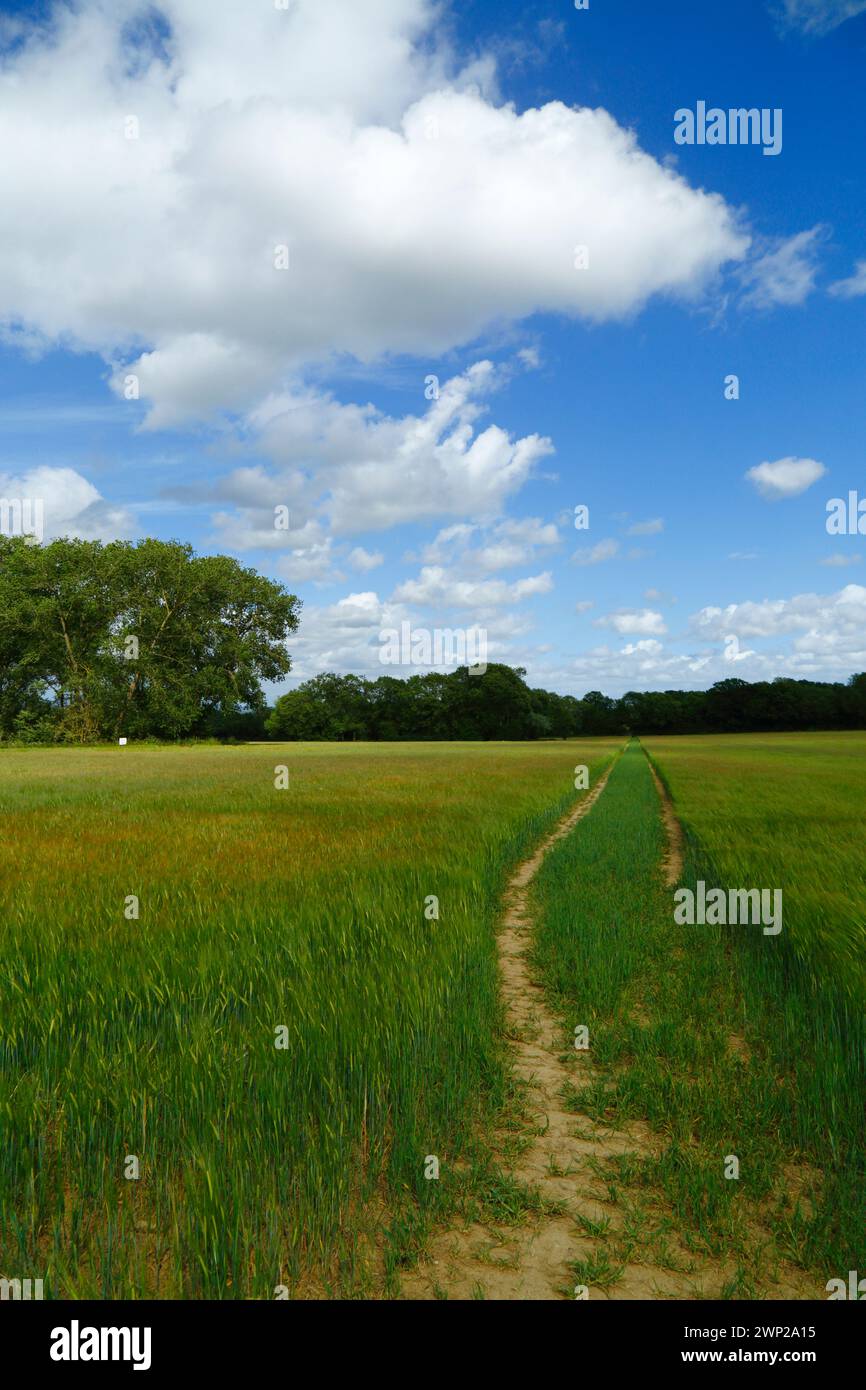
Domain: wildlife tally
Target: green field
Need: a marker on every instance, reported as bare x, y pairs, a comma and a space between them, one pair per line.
302, 909
786, 810
258, 908
726, 1040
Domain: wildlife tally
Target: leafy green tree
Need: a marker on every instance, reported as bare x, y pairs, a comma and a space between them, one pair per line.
328, 707
206, 632
602, 715
142, 638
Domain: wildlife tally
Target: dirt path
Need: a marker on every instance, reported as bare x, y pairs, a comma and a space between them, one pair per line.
563, 1155
674, 853
532, 1261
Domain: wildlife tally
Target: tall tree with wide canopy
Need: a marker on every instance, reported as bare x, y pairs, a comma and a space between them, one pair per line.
142, 638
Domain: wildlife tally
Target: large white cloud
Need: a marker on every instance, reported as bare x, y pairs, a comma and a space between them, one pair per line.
807, 636
820, 616
502, 545
414, 209
436, 588
60, 502
380, 471
345, 636
352, 469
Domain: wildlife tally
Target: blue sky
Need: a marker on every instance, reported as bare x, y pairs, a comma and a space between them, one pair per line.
427, 172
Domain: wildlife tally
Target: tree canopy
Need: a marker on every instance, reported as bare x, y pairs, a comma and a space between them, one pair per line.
500, 705
144, 639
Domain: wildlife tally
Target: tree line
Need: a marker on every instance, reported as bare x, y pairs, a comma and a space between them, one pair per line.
500, 705
148, 640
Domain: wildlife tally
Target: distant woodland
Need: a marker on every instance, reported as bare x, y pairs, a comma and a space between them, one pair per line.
150, 641
500, 705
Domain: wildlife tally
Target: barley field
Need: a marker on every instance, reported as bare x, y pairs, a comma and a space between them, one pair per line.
727, 1042
249, 995
232, 1026
785, 810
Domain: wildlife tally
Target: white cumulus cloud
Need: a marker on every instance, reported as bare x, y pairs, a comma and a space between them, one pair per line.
412, 208
786, 477
68, 504
354, 469
365, 560
435, 587
643, 622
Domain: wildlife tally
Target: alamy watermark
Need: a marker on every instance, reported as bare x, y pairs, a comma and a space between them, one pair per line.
23, 1290
77, 1343
846, 517
854, 1290
737, 126
733, 907
22, 516
459, 646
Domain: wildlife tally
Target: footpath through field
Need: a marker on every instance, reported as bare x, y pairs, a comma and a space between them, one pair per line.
586, 937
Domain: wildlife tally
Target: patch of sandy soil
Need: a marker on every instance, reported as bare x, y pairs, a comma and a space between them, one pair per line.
532, 1261
672, 864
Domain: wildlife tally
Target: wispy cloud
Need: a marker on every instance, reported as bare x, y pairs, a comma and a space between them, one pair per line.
785, 273
820, 16
596, 554
853, 287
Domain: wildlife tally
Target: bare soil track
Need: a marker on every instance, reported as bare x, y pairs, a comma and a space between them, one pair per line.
674, 853
533, 1261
